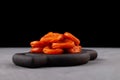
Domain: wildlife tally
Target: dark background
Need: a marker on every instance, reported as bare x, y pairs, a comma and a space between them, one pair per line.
95, 26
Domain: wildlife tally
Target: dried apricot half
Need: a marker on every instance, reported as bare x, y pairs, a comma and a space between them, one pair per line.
65, 44
72, 37
75, 49
52, 37
48, 50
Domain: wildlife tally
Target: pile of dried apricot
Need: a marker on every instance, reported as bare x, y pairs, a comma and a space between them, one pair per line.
56, 43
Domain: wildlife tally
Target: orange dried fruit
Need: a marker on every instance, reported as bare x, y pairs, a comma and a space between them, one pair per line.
48, 50
36, 50
72, 37
52, 37
65, 44
37, 44
56, 43
75, 49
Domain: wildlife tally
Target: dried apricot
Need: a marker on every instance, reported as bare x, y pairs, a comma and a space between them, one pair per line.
72, 37
75, 49
52, 37
48, 50
36, 50
37, 44
64, 44
56, 43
